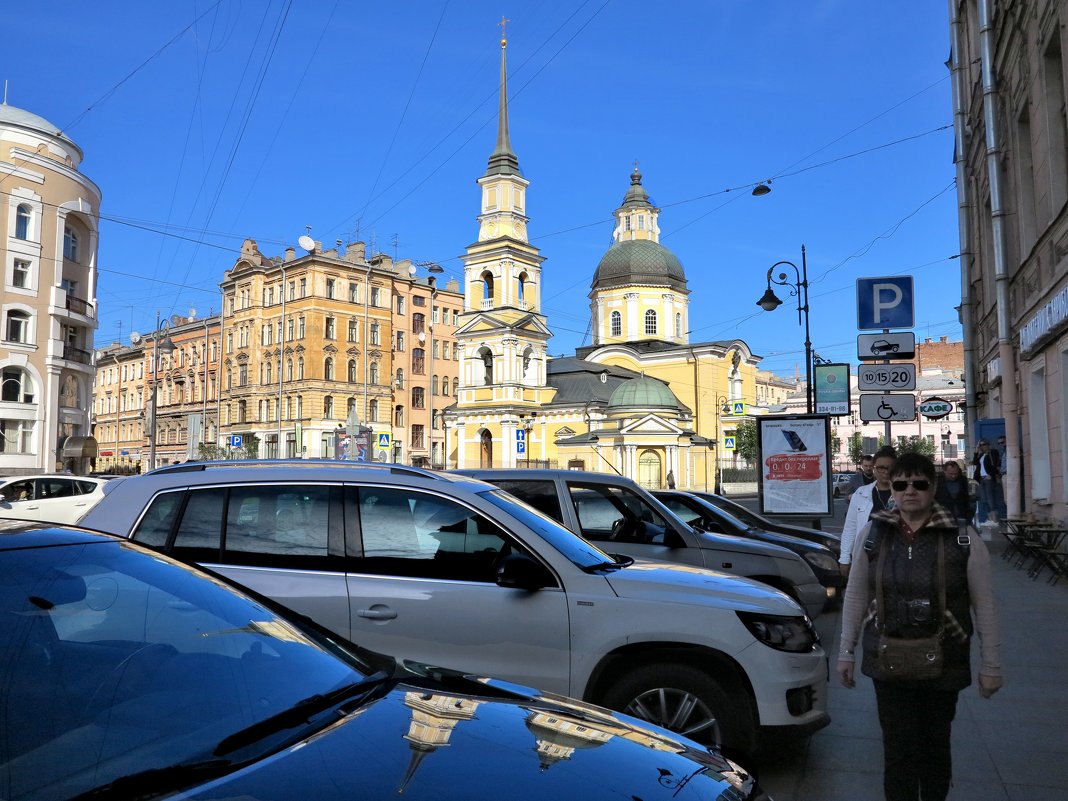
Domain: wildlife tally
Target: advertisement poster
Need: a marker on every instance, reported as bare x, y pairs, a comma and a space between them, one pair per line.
832, 389
795, 468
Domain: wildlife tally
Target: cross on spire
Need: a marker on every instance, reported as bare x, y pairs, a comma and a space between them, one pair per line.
504, 37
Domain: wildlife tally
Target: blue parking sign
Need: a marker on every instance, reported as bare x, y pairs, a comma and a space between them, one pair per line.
888, 302
236, 440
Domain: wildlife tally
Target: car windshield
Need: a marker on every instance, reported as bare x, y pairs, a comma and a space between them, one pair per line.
116, 661
572, 546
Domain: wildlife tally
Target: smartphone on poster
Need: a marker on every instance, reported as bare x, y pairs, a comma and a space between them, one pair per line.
795, 441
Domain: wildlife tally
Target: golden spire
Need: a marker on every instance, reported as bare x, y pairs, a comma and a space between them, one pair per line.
504, 38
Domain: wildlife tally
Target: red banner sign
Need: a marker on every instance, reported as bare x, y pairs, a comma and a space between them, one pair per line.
793, 467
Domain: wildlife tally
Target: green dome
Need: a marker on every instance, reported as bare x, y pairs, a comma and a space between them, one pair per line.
639, 261
643, 392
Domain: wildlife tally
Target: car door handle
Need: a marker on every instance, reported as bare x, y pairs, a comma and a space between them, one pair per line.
377, 613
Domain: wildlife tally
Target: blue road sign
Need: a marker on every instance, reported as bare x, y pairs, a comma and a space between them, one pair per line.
520, 446
520, 435
729, 443
888, 302
738, 408
236, 440
384, 441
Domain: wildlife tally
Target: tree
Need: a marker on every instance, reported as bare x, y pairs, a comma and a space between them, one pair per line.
915, 444
745, 440
856, 447
209, 453
250, 447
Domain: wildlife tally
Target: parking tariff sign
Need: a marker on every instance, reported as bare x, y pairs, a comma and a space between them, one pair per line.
887, 302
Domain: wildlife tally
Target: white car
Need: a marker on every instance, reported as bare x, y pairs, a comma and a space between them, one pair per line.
446, 570
59, 498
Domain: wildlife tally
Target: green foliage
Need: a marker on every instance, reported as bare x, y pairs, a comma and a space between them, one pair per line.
250, 447
210, 453
856, 447
914, 444
745, 440
836, 443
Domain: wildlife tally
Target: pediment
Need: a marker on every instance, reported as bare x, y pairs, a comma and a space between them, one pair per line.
566, 431
651, 424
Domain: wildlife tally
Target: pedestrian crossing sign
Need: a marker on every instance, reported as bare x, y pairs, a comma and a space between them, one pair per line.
384, 441
728, 443
738, 408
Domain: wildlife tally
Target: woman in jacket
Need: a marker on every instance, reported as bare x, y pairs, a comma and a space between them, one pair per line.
923, 594
870, 498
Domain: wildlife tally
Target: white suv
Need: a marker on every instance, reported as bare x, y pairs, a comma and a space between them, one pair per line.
50, 498
452, 571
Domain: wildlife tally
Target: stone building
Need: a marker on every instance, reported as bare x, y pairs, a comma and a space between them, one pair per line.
48, 233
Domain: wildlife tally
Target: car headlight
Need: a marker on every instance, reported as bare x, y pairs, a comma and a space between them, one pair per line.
781, 632
824, 561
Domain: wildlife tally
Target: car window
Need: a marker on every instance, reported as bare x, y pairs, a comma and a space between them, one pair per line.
201, 525
416, 534
83, 487
681, 509
539, 494
278, 519
154, 527
616, 513
54, 488
19, 491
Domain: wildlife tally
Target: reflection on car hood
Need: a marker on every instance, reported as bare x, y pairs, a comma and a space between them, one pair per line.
424, 744
671, 582
731, 542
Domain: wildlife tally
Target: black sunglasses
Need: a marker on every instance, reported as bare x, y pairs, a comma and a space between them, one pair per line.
921, 485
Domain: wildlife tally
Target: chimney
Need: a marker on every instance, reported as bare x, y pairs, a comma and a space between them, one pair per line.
291, 254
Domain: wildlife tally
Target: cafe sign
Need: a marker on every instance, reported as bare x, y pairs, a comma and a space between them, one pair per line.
935, 408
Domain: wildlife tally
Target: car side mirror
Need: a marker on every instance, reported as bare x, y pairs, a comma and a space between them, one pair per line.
518, 571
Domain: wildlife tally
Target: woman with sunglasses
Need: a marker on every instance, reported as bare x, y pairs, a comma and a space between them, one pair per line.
902, 545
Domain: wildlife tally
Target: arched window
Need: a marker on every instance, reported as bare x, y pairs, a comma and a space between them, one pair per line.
445, 385
678, 325
16, 386
328, 407
434, 385
400, 378
418, 398
350, 408
18, 326
300, 368
70, 244
22, 222
487, 285
328, 369
372, 411
418, 361
372, 373
289, 369
270, 379
487, 364
650, 321
352, 371
521, 286
616, 323
398, 416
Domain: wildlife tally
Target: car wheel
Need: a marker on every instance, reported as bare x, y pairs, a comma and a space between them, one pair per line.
683, 699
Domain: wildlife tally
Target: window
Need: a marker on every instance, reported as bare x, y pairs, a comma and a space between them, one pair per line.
300, 407
626, 223
18, 327
242, 411
400, 341
398, 416
289, 369
455, 317
267, 330
399, 381
354, 331
433, 385
292, 290
400, 304
411, 534
22, 222
351, 372
372, 411
20, 275
417, 436
375, 334
376, 295
304, 287
270, 379
650, 321
328, 369
289, 329
419, 361
615, 513
331, 285
419, 300
16, 386
445, 349
616, 323
300, 368
330, 333
372, 373
434, 315
487, 286
300, 328
354, 292
242, 375
418, 398
70, 244
16, 436
328, 407
445, 385
539, 494
418, 323
433, 348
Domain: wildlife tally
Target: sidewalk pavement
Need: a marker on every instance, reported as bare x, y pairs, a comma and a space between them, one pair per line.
1009, 748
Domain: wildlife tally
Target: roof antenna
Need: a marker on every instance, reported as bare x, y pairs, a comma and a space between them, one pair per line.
5, 91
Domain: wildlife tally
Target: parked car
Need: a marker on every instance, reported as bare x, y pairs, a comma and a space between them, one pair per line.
615, 513
827, 539
58, 498
130, 675
840, 483
702, 514
445, 570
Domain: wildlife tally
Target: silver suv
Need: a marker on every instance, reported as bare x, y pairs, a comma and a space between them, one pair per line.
450, 571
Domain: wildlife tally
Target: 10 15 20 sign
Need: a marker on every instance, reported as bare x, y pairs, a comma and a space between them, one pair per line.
886, 377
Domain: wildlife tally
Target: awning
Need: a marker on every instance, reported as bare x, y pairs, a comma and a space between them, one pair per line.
78, 447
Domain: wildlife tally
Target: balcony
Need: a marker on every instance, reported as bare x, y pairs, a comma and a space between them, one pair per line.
73, 354
82, 307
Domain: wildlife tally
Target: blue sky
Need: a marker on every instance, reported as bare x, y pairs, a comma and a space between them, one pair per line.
267, 116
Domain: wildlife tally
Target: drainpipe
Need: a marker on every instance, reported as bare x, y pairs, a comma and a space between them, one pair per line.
1009, 399
967, 304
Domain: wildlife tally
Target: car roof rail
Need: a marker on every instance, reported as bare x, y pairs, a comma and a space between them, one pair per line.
194, 466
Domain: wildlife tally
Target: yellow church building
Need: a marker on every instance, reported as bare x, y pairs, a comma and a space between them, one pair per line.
642, 400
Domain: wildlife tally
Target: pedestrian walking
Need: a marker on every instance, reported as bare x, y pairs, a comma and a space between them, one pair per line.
953, 493
987, 474
917, 582
867, 500
865, 474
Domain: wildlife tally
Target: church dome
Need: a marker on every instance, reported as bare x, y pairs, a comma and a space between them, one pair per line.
643, 392
639, 261
20, 118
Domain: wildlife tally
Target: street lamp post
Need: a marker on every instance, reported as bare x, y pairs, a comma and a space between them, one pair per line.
435, 269
168, 347
721, 406
770, 302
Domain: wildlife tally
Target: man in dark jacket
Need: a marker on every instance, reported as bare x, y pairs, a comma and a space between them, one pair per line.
953, 492
987, 464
